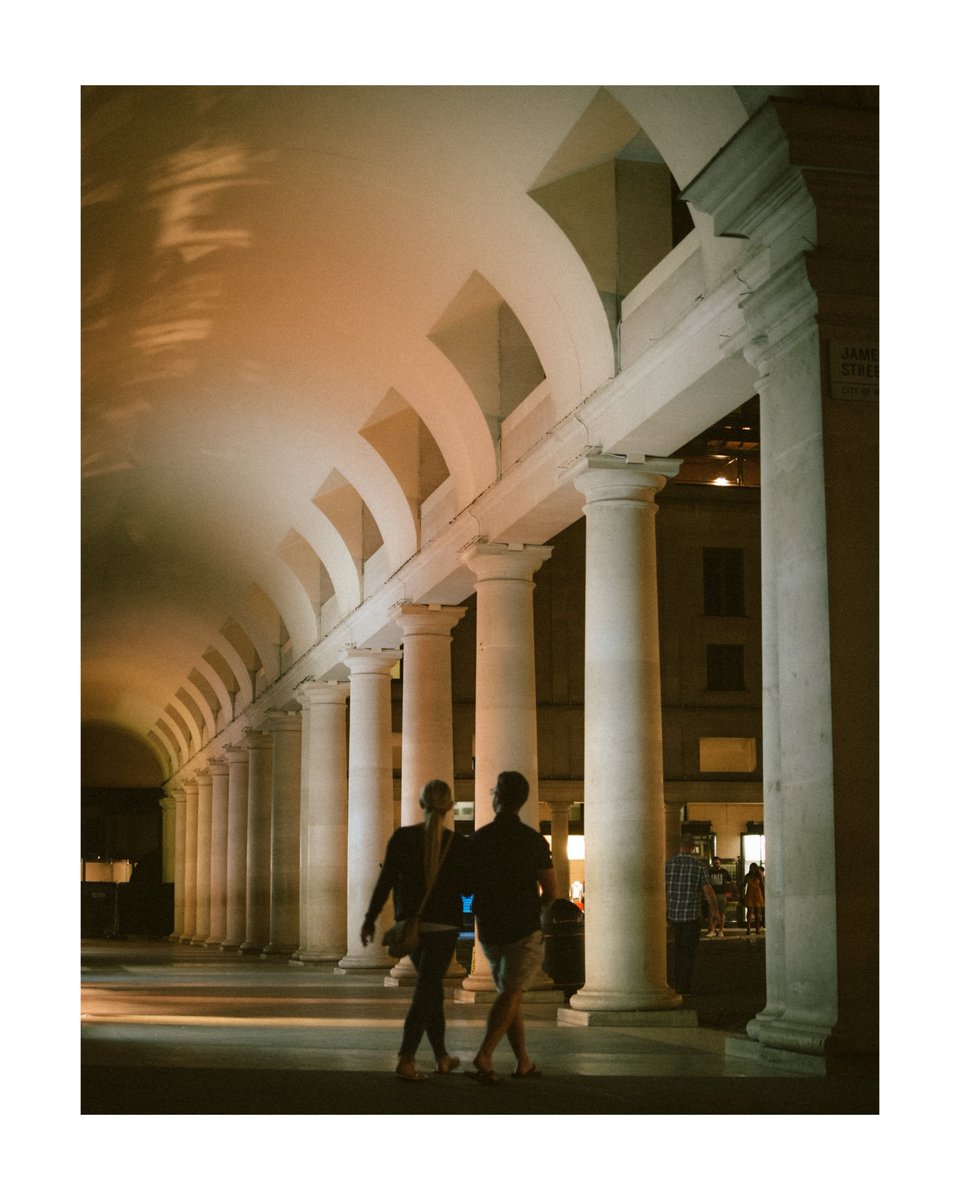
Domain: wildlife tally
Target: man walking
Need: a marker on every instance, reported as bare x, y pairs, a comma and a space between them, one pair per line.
514, 883
687, 887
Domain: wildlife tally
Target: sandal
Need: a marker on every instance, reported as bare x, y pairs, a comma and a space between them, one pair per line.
532, 1072
482, 1075
408, 1073
447, 1064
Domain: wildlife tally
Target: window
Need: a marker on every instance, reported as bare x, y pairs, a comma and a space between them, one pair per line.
725, 668
730, 756
722, 582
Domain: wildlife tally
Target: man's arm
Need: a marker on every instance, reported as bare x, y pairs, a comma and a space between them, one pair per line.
548, 887
711, 899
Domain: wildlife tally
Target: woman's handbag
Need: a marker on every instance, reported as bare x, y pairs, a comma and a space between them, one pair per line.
403, 937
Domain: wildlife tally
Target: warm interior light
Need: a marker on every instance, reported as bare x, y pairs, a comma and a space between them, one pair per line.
721, 482
575, 846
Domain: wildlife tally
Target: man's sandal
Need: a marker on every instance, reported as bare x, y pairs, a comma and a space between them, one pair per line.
532, 1072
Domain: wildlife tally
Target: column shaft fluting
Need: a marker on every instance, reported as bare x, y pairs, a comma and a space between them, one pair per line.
219, 772
285, 836
323, 822
370, 796
190, 791
260, 797
204, 820
626, 957
236, 887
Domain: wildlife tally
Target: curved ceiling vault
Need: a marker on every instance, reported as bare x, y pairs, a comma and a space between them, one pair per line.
295, 307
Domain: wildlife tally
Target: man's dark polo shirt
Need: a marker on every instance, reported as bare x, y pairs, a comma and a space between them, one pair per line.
507, 859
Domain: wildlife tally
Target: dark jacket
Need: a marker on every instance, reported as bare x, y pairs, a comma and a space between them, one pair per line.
508, 857
402, 873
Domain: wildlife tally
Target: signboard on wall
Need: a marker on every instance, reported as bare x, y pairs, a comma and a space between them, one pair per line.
854, 370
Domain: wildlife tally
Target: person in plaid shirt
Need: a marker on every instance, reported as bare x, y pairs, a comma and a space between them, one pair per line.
687, 886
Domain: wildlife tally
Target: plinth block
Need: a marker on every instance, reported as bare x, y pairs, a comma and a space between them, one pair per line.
791, 1060
675, 1018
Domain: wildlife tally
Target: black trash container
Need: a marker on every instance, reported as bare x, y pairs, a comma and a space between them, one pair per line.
563, 946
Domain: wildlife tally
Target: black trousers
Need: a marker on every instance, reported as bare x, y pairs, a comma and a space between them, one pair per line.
426, 1008
686, 937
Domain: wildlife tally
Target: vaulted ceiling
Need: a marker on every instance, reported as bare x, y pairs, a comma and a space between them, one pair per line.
307, 313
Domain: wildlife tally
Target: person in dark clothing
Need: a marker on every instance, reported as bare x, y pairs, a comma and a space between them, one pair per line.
416, 856
514, 884
687, 885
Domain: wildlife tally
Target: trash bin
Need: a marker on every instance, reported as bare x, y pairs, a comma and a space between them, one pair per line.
563, 946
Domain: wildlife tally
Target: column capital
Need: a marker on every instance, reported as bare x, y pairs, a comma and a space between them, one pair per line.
609, 477
257, 739
371, 662
283, 720
316, 692
429, 619
505, 560
218, 766
235, 754
168, 802
202, 774
559, 805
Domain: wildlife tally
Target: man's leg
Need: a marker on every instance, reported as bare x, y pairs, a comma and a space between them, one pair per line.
500, 1020
686, 938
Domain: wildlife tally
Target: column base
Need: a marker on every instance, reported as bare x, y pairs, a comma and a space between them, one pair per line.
230, 947
199, 941
307, 958
655, 999
213, 944
790, 1060
273, 951
355, 964
683, 1018
249, 948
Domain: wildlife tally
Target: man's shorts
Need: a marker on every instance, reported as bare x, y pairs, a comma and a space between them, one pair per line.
515, 965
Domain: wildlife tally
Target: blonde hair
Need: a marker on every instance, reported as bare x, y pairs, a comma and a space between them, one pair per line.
436, 800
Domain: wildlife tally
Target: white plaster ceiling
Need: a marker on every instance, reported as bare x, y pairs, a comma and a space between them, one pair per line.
261, 268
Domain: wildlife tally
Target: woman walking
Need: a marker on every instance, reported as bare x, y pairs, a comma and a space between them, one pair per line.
425, 860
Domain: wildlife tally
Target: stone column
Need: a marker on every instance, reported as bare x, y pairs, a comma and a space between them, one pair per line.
626, 952
798, 784
190, 790
370, 798
323, 822
427, 738
219, 771
284, 836
559, 833
179, 870
168, 805
204, 820
799, 186
259, 802
673, 816
238, 786
506, 700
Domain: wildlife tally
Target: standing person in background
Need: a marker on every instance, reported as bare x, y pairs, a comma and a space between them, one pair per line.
514, 885
753, 898
420, 859
720, 881
687, 887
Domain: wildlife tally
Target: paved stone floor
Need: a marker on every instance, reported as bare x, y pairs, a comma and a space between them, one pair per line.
170, 1029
